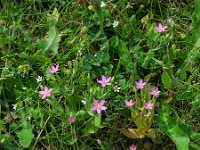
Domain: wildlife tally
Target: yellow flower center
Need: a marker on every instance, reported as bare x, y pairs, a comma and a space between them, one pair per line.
98, 106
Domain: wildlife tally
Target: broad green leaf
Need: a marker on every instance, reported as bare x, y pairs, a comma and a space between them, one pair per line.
196, 21
171, 127
166, 80
52, 19
93, 124
51, 44
53, 40
25, 137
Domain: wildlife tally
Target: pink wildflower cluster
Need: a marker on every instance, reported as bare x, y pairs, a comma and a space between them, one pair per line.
153, 91
47, 92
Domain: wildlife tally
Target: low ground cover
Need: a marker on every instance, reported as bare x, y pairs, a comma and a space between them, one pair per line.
98, 74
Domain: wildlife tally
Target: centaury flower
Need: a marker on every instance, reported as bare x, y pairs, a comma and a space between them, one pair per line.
104, 82
155, 92
72, 119
140, 84
46, 92
148, 105
161, 28
98, 106
129, 103
54, 69
132, 147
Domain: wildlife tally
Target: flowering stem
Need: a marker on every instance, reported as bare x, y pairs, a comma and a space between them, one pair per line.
142, 97
137, 105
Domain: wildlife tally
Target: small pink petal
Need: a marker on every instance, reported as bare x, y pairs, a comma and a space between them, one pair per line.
103, 77
45, 88
98, 110
48, 94
93, 108
52, 67
57, 66
103, 107
101, 102
95, 102
100, 81
108, 80
42, 92
43, 97
103, 84
126, 102
50, 90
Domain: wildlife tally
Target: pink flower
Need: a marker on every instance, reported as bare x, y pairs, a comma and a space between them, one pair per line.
46, 92
54, 69
129, 103
72, 119
98, 106
104, 81
132, 147
148, 105
155, 92
161, 28
140, 84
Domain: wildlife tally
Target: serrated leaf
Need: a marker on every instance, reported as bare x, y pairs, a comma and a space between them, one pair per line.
53, 40
93, 124
51, 44
171, 127
25, 137
166, 80
52, 19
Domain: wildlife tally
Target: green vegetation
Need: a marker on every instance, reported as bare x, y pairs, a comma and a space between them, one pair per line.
92, 74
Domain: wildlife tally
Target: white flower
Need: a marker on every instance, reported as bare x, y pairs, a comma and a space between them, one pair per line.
24, 88
99, 141
116, 88
171, 21
83, 102
115, 24
103, 4
14, 106
39, 78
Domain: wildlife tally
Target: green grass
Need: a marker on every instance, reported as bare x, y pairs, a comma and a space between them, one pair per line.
35, 34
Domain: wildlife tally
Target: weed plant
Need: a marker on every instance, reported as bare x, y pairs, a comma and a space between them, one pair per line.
92, 74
